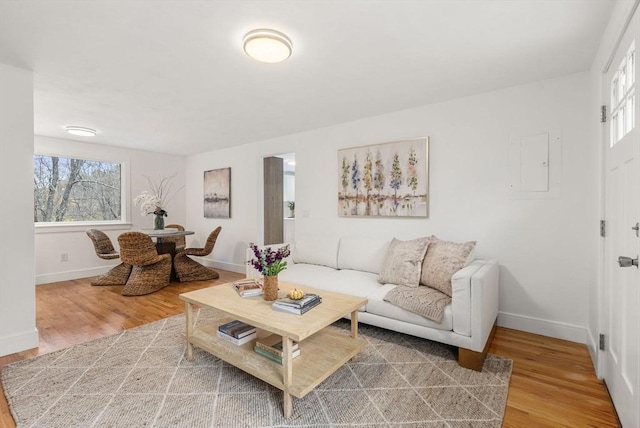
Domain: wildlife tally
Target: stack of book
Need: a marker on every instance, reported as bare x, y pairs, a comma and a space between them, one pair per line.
271, 347
237, 332
247, 287
299, 306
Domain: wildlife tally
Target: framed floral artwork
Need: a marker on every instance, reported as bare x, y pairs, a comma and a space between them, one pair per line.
384, 180
217, 193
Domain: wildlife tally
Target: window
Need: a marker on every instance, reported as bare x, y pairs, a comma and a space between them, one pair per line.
623, 98
76, 190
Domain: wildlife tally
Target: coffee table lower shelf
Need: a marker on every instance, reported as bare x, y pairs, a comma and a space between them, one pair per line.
320, 356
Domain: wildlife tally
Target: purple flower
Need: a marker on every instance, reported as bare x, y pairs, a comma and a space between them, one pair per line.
267, 261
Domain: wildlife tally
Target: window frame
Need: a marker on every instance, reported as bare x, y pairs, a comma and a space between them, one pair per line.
74, 226
622, 97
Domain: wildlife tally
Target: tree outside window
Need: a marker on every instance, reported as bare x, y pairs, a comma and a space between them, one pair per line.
70, 190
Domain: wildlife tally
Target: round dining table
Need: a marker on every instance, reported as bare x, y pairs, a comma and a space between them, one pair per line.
159, 234
166, 247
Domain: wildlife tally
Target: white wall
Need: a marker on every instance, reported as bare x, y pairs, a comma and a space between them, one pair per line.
17, 292
51, 242
545, 246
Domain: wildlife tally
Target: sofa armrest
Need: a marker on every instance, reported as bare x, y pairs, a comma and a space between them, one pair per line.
475, 301
250, 272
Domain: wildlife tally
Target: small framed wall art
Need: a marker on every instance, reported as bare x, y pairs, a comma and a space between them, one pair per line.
217, 193
384, 180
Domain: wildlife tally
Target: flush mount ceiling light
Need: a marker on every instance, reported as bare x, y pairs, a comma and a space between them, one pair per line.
81, 131
267, 46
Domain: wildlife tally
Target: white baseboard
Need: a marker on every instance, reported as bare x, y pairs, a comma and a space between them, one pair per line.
71, 274
224, 265
593, 345
543, 327
95, 271
19, 342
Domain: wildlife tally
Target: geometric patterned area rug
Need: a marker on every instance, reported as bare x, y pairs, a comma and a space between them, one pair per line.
140, 377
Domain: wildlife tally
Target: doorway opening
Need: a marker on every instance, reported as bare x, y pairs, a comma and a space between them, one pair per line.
279, 198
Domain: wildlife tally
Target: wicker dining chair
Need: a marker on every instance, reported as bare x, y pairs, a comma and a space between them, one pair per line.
180, 241
151, 271
188, 269
117, 275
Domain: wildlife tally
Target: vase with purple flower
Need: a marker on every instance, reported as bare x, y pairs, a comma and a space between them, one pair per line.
269, 262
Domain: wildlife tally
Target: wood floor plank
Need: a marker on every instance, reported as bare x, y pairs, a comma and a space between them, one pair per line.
553, 382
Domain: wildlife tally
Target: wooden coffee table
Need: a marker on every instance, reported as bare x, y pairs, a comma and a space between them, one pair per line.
323, 348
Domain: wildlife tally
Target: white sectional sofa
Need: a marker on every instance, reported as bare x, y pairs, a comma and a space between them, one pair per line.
352, 266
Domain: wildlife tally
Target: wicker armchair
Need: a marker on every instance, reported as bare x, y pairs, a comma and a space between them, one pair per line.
188, 269
151, 271
180, 241
117, 275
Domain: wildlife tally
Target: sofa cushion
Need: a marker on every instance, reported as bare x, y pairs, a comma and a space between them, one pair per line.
308, 274
352, 282
362, 254
425, 301
317, 250
403, 262
378, 306
443, 259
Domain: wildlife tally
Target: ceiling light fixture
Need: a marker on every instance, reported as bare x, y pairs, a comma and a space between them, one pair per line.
268, 46
81, 131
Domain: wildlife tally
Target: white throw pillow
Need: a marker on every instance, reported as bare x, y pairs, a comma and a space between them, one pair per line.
403, 262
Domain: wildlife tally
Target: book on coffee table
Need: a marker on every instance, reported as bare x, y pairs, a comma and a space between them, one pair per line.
236, 329
272, 357
273, 344
241, 341
296, 310
298, 303
247, 287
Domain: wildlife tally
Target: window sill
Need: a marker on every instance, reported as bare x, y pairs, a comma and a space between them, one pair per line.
80, 226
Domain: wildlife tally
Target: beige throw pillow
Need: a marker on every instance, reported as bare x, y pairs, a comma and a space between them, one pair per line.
443, 259
403, 262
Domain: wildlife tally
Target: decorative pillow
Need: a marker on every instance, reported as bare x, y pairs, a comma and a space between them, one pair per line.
443, 259
424, 301
403, 262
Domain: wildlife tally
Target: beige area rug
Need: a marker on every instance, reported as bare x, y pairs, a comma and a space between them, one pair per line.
140, 377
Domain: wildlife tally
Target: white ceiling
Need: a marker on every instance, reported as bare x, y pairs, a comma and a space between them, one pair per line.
171, 76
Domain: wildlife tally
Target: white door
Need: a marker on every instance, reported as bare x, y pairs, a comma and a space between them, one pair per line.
621, 308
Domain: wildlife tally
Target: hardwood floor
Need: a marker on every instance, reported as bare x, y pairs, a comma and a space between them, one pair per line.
553, 382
